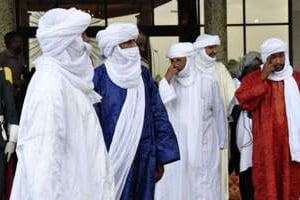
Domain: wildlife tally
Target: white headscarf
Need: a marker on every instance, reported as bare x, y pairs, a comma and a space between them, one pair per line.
59, 35
291, 92
124, 69
185, 49
203, 61
123, 65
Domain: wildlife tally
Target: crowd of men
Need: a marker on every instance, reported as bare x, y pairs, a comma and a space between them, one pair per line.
108, 132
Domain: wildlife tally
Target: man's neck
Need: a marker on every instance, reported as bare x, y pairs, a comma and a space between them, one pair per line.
11, 53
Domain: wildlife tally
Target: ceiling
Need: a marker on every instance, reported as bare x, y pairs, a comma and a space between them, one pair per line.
114, 8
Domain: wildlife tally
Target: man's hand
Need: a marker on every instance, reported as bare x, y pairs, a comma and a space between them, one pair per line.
268, 68
11, 144
159, 172
171, 72
9, 149
3, 132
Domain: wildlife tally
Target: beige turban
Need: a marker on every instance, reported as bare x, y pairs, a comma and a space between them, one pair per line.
59, 27
114, 35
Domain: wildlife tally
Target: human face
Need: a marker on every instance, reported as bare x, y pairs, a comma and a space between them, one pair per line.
16, 45
179, 63
277, 60
128, 44
85, 37
211, 51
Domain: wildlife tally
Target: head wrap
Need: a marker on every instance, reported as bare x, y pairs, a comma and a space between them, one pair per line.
185, 49
115, 34
205, 40
204, 62
58, 28
59, 35
271, 46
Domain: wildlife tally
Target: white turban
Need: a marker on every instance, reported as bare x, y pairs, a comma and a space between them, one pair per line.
205, 40
115, 34
203, 61
59, 34
184, 49
271, 46
59, 27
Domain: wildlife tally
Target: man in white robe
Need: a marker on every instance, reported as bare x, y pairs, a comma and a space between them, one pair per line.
205, 47
195, 109
61, 151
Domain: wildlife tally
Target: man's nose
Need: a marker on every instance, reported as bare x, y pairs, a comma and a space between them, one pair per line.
278, 61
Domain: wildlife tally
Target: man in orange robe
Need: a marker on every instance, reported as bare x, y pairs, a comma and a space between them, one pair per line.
272, 95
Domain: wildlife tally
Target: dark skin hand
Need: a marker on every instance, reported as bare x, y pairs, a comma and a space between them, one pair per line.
171, 72
159, 172
177, 64
268, 68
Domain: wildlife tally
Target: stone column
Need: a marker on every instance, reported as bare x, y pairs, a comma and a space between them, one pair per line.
296, 33
7, 16
216, 22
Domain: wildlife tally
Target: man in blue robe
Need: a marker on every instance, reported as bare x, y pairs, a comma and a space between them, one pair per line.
137, 132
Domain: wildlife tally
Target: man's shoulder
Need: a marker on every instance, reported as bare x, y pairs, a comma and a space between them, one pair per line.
220, 65
39, 84
252, 76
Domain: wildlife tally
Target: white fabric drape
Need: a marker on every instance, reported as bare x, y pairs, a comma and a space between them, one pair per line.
244, 140
205, 63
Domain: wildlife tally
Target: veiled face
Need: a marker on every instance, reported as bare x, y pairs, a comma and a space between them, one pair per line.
128, 44
277, 60
178, 62
211, 51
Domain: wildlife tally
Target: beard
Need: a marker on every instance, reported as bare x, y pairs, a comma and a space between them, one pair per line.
279, 67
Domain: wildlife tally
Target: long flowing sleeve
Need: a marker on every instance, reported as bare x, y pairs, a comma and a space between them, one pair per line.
220, 117
166, 142
166, 91
251, 91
